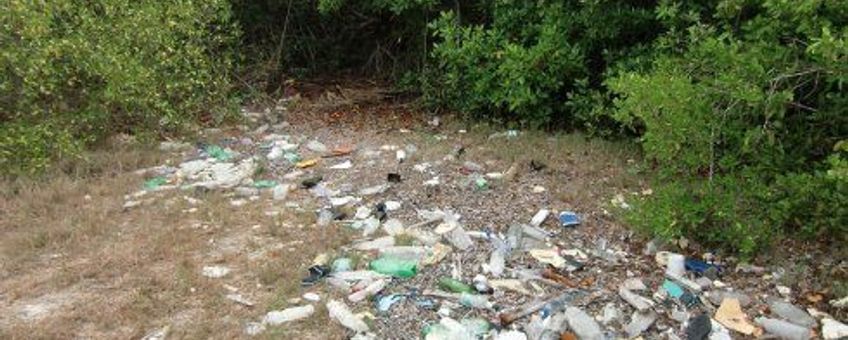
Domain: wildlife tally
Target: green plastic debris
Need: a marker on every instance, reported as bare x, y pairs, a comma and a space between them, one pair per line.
218, 153
455, 286
478, 326
481, 183
673, 289
264, 184
342, 264
394, 267
292, 157
155, 182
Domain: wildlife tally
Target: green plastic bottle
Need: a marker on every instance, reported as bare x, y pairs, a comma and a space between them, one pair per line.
455, 286
394, 267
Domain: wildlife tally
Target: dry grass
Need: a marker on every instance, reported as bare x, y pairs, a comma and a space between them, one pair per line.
98, 271
82, 267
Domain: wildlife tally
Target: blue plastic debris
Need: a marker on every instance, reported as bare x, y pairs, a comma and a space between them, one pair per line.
568, 219
384, 303
674, 290
701, 267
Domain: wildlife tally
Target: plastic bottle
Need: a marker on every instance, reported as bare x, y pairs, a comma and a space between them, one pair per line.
289, 314
372, 289
394, 267
784, 330
454, 286
497, 263
340, 312
474, 301
406, 253
583, 324
791, 313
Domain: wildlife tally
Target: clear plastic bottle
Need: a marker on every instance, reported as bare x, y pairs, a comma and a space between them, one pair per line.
474, 301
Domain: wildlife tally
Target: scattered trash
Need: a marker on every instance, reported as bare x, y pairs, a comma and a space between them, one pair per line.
343, 165
676, 265
832, 329
673, 289
730, 315
568, 219
237, 298
548, 256
274, 318
481, 285
254, 328
385, 303
481, 183
264, 184
311, 182
311, 297
699, 328
640, 322
215, 272
784, 330
702, 268
454, 286
791, 313
307, 163
315, 274
371, 290
582, 324
155, 182
540, 217
393, 177
342, 264
218, 153
641, 303
316, 146
340, 312
394, 267
281, 191
511, 335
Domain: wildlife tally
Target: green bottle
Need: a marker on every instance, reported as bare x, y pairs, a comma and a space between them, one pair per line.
394, 267
455, 286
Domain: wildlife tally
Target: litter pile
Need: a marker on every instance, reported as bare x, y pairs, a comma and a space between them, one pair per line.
422, 269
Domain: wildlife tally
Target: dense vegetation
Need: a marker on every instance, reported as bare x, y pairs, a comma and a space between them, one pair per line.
740, 105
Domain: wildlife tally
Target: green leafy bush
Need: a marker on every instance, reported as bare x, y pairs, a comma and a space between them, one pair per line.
521, 63
74, 71
739, 117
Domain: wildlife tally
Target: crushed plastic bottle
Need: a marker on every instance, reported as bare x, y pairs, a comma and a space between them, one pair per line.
475, 301
342, 264
783, 329
406, 253
340, 312
371, 290
394, 267
454, 286
791, 313
583, 324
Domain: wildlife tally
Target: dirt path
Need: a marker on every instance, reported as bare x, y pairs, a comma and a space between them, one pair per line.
106, 258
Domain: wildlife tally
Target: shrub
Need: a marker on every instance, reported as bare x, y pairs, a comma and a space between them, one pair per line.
522, 61
73, 71
743, 124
